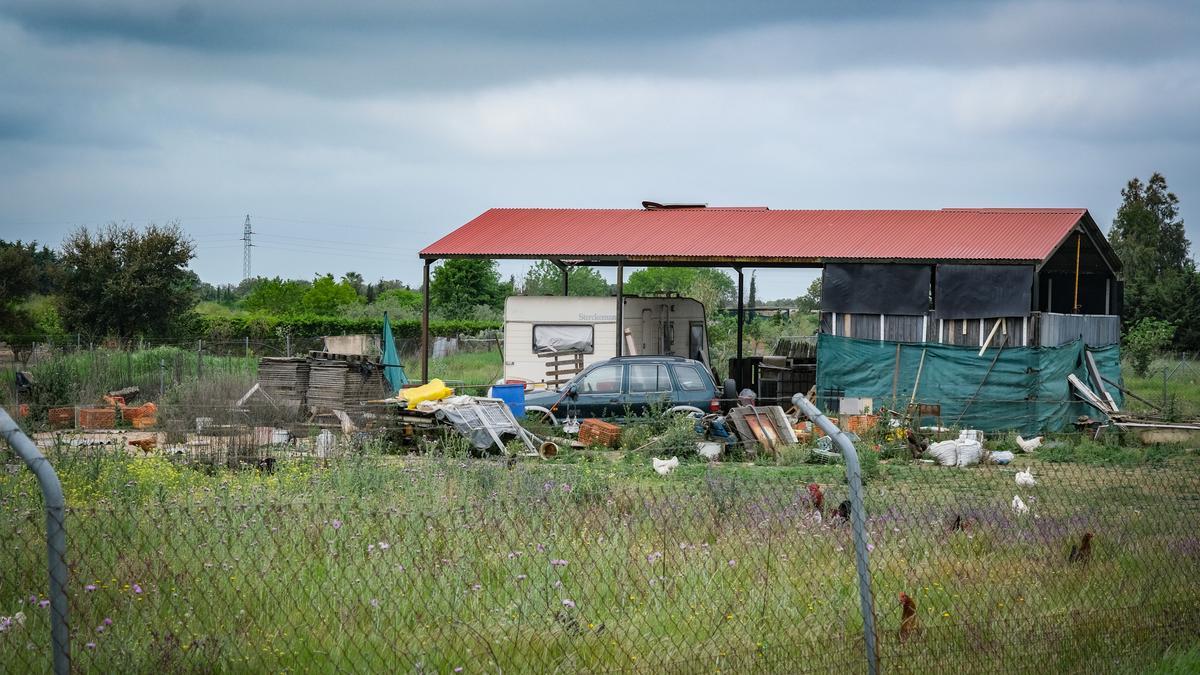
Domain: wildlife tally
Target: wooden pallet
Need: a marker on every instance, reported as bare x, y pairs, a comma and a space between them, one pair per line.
564, 366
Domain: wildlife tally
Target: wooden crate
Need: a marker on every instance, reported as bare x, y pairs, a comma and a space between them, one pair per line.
598, 432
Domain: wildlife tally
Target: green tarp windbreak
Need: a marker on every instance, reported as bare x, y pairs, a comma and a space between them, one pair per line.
1026, 390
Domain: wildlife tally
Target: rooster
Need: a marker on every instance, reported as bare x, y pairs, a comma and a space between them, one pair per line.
1025, 479
843, 510
1018, 506
665, 466
917, 445
1083, 552
1029, 445
908, 616
816, 497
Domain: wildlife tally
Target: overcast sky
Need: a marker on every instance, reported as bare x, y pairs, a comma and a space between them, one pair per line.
355, 134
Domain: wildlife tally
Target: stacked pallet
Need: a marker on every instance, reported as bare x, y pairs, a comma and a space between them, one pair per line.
343, 385
285, 379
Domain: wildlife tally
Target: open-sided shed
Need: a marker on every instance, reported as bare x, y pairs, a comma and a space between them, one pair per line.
956, 276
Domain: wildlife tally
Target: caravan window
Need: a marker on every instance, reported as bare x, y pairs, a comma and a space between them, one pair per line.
562, 338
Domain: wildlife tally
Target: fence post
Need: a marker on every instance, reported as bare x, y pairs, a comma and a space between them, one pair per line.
199, 357
56, 537
858, 523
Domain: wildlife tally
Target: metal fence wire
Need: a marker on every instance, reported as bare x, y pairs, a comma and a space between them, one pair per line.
389, 564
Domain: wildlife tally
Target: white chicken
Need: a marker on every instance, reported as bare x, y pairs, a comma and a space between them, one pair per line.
1025, 479
665, 466
1029, 445
709, 451
1018, 506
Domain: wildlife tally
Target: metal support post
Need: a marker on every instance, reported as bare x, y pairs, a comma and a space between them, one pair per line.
858, 523
56, 537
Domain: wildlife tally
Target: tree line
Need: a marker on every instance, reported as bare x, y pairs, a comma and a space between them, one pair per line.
124, 282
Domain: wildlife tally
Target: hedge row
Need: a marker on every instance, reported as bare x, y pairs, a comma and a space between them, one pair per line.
267, 327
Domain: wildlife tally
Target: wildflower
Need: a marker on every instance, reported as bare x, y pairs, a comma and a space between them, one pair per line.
558, 584
99, 629
654, 557
476, 587
107, 621
89, 588
370, 548
522, 577
541, 548
337, 524
513, 555
558, 562
569, 604
458, 669
733, 563
33, 599
383, 546
90, 645
870, 546
375, 602
137, 589
566, 487
44, 604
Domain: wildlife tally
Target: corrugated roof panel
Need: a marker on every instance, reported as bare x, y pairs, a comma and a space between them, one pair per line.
947, 234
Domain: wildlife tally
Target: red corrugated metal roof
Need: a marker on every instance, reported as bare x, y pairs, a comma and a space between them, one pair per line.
759, 234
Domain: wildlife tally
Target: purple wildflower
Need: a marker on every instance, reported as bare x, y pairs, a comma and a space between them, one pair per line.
107, 621
654, 557
569, 604
89, 588
870, 546
733, 563
558, 562
90, 645
383, 546
44, 604
137, 589
375, 602
522, 577
541, 548
458, 669
557, 584
370, 547
337, 524
99, 629
476, 587
566, 487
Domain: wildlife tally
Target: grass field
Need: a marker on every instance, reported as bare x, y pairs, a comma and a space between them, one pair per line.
435, 563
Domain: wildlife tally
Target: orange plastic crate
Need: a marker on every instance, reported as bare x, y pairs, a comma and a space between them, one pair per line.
62, 418
97, 418
598, 432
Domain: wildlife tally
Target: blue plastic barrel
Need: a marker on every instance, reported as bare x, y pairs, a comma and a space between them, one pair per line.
511, 394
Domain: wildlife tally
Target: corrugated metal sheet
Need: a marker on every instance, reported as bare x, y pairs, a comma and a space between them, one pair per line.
1097, 330
761, 234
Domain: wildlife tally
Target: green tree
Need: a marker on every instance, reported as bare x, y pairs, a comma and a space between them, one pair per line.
122, 281
752, 302
355, 280
812, 299
18, 280
1144, 341
684, 280
327, 296
459, 286
276, 296
1160, 277
545, 278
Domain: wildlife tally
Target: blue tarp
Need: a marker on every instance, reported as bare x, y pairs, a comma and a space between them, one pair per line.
393, 371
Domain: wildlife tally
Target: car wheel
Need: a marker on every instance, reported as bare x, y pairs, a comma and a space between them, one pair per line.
729, 390
540, 415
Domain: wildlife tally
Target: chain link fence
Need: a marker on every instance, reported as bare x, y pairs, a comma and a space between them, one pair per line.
427, 564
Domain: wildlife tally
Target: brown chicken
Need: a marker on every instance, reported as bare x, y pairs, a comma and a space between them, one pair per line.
908, 616
1083, 552
917, 445
816, 496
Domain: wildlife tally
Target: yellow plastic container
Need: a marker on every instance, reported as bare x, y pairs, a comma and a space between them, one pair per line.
434, 390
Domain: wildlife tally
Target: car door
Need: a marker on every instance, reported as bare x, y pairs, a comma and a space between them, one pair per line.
598, 391
647, 386
693, 386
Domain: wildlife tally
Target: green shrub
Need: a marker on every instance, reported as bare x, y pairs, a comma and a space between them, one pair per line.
1145, 339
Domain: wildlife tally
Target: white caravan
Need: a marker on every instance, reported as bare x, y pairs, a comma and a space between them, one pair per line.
535, 327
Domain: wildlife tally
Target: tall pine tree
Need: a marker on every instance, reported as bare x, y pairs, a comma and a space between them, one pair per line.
1161, 280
